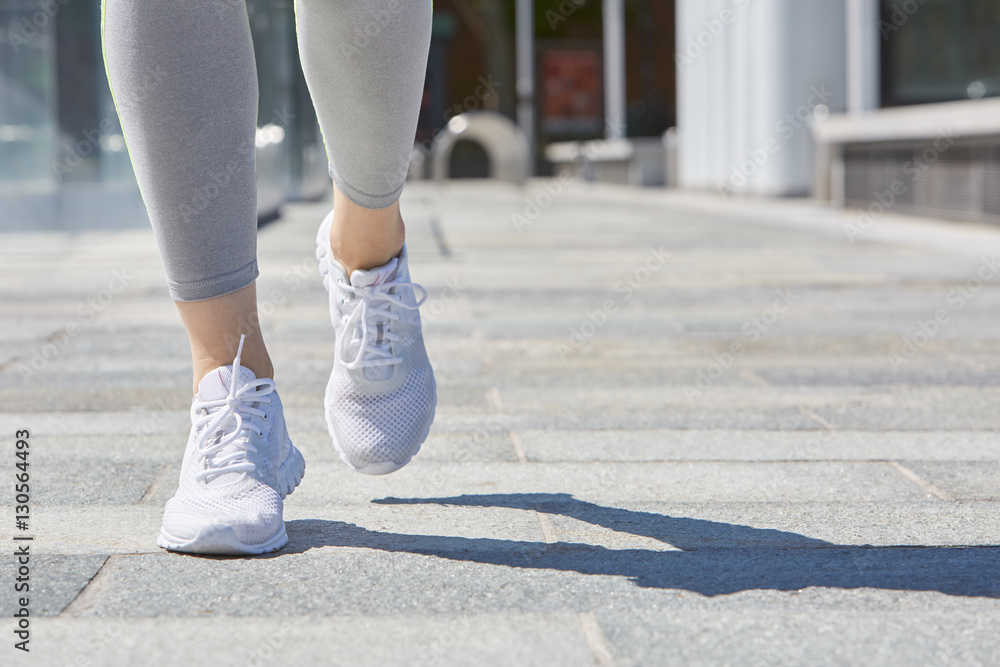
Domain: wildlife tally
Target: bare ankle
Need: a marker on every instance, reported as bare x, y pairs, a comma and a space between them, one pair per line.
357, 254
362, 238
214, 327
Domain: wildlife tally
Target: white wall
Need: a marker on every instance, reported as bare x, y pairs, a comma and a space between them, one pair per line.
750, 73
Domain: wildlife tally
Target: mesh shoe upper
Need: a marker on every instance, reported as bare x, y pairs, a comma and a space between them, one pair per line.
230, 477
380, 398
254, 513
376, 427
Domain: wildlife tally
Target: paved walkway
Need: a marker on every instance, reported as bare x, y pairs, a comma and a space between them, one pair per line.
772, 446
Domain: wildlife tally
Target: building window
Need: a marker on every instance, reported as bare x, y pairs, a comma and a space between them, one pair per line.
939, 50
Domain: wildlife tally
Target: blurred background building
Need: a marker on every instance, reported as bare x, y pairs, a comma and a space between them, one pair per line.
63, 161
878, 105
846, 100
922, 128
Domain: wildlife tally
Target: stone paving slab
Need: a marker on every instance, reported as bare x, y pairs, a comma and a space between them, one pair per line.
732, 445
904, 409
647, 525
691, 481
418, 639
965, 480
817, 637
130, 529
88, 481
350, 569
548, 446
795, 364
55, 580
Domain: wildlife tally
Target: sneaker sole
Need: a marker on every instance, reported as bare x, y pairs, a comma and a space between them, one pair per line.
291, 471
381, 467
220, 539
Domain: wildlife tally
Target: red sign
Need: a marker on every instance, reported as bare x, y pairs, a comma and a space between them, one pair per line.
572, 85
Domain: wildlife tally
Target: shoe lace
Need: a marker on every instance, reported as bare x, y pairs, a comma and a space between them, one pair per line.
374, 302
236, 408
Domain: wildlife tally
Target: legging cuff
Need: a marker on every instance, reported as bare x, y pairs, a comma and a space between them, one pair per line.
364, 199
213, 287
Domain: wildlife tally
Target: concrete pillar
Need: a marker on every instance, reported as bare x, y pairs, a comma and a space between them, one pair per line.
614, 69
525, 30
863, 56
749, 77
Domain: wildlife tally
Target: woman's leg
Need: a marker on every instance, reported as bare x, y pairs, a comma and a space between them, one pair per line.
365, 64
185, 86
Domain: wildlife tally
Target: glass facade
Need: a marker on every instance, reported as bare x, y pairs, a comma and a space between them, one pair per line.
63, 161
939, 50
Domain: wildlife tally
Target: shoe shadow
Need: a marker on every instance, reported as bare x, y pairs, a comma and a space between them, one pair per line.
710, 557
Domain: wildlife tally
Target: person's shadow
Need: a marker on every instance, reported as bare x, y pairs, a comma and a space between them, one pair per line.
708, 557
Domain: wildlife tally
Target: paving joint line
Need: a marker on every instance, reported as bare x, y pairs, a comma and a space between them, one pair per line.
596, 640
928, 487
966, 361
815, 417
748, 374
488, 365
86, 600
8, 363
547, 529
493, 400
154, 485
515, 440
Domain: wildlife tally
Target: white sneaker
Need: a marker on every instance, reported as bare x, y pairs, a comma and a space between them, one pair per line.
381, 395
238, 466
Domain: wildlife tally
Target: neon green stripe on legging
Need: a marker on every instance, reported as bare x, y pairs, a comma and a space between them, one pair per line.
114, 100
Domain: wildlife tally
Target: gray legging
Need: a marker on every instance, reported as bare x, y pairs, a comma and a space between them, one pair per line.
184, 81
